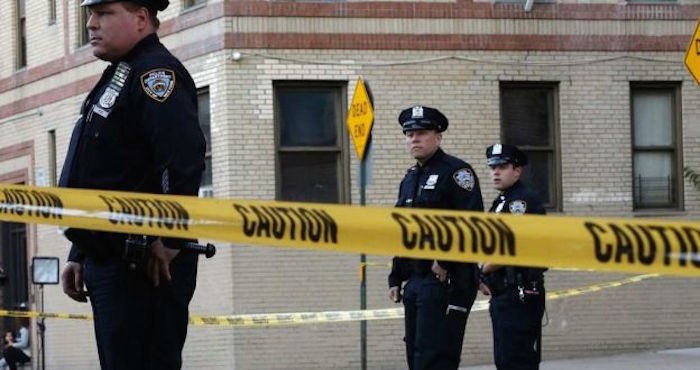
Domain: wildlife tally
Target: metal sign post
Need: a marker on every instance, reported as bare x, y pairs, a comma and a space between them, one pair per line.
359, 121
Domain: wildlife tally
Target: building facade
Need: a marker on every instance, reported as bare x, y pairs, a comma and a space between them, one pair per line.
595, 91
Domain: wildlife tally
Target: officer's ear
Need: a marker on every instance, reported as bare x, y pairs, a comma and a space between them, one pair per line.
517, 169
143, 18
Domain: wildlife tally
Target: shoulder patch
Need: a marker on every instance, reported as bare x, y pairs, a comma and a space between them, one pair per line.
158, 83
517, 207
464, 177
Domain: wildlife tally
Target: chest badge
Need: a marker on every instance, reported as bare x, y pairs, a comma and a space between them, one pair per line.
109, 96
158, 84
464, 178
430, 182
517, 207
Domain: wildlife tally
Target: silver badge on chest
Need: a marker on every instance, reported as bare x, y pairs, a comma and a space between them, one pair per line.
109, 96
431, 181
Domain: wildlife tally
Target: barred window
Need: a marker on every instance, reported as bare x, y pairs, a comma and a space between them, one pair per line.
655, 131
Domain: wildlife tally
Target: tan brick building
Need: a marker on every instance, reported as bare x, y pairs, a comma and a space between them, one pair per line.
596, 91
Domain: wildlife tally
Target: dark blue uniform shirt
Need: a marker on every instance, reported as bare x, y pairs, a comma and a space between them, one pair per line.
517, 199
138, 131
443, 182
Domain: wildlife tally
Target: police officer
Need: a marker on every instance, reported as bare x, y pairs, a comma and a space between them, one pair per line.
138, 131
438, 295
517, 293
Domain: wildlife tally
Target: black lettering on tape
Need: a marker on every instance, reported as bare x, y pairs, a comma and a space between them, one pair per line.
693, 235
602, 255
631, 244
139, 211
31, 203
447, 233
315, 225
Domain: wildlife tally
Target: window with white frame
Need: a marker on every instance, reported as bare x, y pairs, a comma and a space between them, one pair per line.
655, 141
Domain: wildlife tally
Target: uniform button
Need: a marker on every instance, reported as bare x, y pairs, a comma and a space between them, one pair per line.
97, 134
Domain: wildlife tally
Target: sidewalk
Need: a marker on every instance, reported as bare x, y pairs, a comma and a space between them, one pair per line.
676, 359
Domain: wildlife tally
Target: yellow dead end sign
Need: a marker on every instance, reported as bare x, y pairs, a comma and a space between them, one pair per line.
692, 55
360, 118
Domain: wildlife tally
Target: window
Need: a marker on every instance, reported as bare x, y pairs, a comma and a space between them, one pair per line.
83, 16
190, 3
655, 151
21, 60
652, 1
529, 121
310, 138
53, 180
13, 243
205, 187
52, 11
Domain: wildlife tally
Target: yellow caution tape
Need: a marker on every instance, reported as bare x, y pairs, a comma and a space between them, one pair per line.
629, 245
47, 315
388, 265
299, 318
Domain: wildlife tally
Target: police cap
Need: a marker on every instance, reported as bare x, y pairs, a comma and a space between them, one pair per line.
422, 118
498, 154
150, 4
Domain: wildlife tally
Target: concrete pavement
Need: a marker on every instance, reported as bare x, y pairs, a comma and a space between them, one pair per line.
677, 359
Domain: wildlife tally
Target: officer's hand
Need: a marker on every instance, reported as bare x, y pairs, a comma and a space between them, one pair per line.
159, 262
72, 281
395, 294
439, 272
484, 289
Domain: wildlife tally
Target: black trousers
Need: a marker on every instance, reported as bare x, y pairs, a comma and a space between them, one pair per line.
517, 329
138, 326
434, 336
13, 356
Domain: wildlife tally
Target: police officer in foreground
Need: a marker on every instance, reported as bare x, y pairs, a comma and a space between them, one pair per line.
438, 295
138, 131
517, 293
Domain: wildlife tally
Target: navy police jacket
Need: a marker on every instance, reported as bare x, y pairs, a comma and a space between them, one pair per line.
443, 182
517, 200
138, 131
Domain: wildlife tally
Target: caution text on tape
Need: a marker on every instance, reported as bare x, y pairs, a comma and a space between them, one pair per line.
632, 245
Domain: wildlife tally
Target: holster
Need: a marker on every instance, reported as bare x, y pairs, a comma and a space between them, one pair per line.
137, 249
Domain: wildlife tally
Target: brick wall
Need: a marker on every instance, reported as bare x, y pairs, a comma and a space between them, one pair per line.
446, 68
